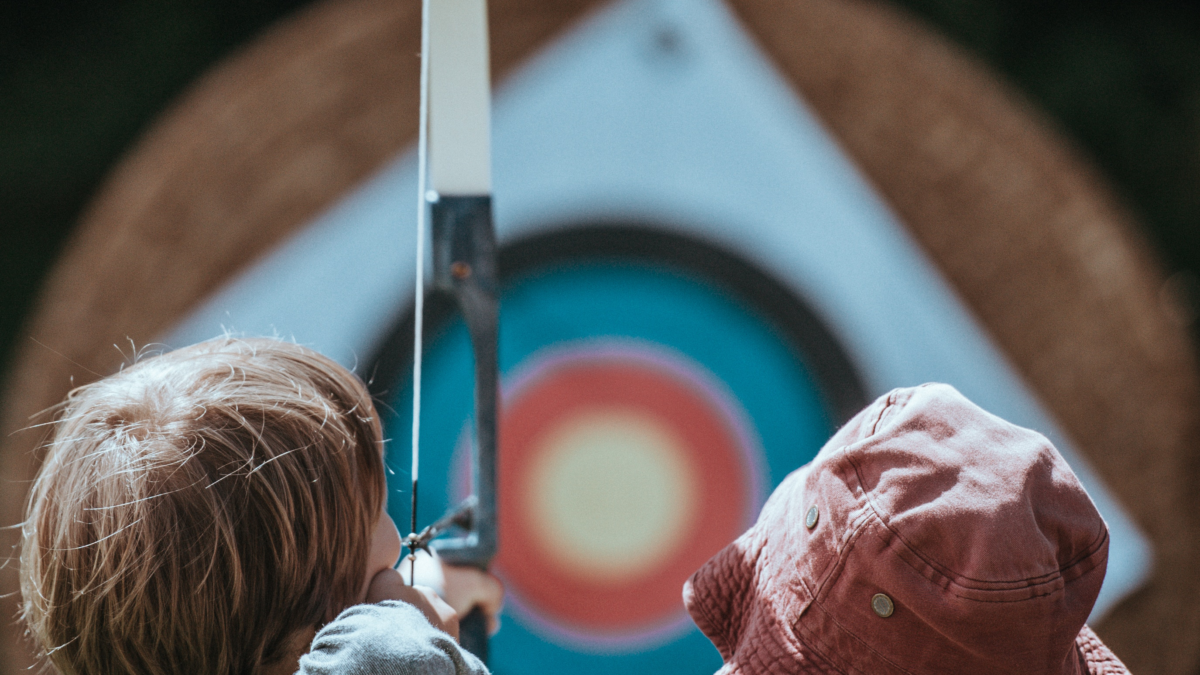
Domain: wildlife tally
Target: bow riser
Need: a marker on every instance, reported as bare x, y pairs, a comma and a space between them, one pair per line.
464, 264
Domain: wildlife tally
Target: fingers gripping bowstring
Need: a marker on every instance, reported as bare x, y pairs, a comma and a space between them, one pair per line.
419, 301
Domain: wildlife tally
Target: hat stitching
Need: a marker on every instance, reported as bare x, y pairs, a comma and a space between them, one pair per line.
859, 527
1022, 590
1066, 572
829, 665
1095, 657
750, 557
893, 401
811, 640
736, 662
826, 648
972, 594
853, 532
1082, 665
709, 622
815, 663
856, 530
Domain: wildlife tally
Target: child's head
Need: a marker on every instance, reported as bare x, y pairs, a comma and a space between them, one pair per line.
198, 509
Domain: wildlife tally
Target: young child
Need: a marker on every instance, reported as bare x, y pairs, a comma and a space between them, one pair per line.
211, 510
927, 537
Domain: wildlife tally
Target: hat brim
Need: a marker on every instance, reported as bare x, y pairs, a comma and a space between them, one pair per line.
1096, 656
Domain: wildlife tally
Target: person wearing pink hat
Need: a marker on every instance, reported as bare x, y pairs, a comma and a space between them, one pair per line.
927, 537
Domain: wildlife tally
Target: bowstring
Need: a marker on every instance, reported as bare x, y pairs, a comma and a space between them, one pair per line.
419, 301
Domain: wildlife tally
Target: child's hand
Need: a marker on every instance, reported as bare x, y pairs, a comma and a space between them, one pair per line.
465, 588
389, 585
468, 587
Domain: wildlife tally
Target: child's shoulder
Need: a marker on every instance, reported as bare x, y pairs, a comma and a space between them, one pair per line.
391, 636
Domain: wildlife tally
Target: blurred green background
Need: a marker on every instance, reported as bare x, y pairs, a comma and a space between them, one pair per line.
80, 80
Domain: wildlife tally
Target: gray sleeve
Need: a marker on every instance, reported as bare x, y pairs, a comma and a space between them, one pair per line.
390, 638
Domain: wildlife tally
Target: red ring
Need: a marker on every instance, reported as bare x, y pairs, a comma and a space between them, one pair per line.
710, 445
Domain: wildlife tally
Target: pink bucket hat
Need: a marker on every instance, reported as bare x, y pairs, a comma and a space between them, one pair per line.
927, 536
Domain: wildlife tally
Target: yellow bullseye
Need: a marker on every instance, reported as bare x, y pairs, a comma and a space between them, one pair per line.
611, 495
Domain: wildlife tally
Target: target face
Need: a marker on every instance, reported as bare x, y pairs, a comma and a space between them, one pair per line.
653, 393
625, 469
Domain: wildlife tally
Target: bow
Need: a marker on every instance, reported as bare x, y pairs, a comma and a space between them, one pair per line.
454, 183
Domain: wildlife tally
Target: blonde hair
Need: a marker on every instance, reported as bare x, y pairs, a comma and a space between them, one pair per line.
197, 509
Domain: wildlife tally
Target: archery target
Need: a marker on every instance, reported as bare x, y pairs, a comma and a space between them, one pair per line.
649, 404
624, 471
696, 135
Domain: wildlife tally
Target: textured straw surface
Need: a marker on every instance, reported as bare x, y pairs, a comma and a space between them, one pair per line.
1018, 224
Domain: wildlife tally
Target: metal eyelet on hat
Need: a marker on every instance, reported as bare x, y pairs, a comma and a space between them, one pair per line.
810, 518
882, 605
